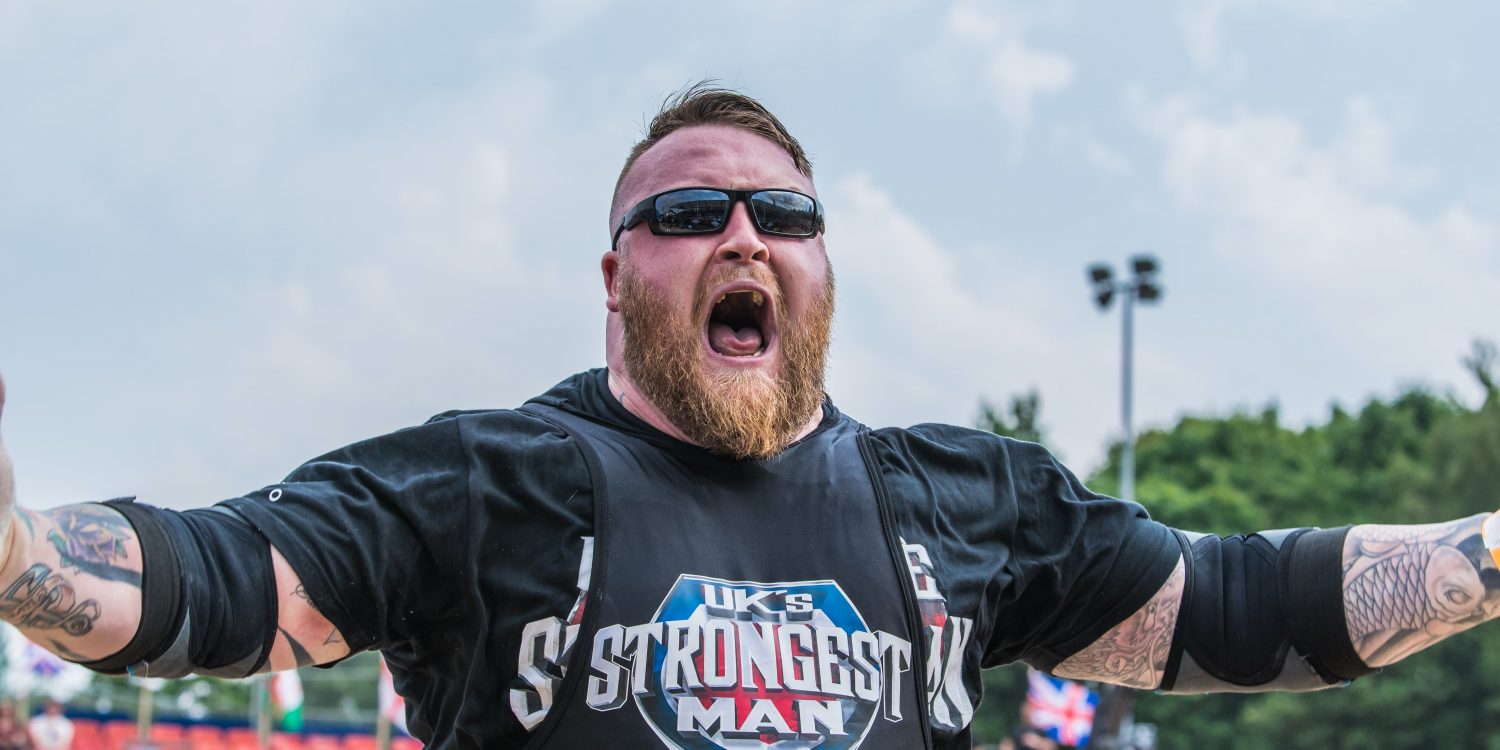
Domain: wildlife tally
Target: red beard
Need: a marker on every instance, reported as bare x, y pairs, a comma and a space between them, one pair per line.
745, 414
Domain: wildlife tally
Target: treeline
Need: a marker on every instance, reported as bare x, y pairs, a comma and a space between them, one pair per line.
1418, 458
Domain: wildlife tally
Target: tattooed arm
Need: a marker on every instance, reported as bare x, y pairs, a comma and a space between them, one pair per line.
1408, 587
70, 579
1133, 653
1404, 588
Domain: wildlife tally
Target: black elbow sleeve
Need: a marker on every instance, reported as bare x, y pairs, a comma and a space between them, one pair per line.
1262, 612
208, 595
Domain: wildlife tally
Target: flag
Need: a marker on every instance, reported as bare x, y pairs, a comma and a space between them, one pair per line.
392, 705
1063, 708
43, 665
286, 693
31, 670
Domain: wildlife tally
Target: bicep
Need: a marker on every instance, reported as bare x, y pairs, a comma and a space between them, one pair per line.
72, 582
1134, 652
304, 636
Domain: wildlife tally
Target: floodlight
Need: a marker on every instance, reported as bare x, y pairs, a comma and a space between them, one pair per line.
1145, 265
1148, 292
1100, 273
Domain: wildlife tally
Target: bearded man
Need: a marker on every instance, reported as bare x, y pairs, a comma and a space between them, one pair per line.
693, 548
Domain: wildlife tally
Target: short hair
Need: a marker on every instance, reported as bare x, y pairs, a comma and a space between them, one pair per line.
705, 103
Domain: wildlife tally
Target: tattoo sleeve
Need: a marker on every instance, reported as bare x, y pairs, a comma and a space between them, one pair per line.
1408, 587
91, 539
42, 600
1133, 653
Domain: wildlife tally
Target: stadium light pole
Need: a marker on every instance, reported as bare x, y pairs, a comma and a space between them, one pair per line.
1142, 286
1116, 703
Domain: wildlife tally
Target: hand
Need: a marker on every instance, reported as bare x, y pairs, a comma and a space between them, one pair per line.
7, 489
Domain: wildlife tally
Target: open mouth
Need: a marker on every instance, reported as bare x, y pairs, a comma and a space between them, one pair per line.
738, 324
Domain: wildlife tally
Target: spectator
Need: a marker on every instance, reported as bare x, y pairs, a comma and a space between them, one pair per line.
50, 730
12, 733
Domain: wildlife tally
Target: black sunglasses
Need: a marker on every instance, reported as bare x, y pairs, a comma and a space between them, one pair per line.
705, 210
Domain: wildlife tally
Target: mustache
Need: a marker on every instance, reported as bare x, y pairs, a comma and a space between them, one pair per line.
758, 274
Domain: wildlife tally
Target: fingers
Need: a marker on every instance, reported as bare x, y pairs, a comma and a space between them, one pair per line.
1489, 530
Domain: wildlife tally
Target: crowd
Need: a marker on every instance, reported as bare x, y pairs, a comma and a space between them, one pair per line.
48, 730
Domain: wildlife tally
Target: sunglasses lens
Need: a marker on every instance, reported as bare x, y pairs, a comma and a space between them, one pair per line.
784, 212
691, 211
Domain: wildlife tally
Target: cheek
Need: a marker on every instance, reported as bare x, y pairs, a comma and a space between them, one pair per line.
803, 281
674, 284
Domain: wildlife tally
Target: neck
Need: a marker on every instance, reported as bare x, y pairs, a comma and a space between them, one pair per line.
630, 397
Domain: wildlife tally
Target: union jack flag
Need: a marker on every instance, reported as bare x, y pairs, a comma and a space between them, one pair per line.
1062, 708
42, 663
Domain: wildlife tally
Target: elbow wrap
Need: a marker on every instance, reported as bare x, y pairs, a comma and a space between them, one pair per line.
208, 595
1250, 603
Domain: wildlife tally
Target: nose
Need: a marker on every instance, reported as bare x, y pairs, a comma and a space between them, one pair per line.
741, 242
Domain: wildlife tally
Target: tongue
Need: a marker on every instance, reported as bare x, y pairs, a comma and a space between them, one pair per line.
731, 343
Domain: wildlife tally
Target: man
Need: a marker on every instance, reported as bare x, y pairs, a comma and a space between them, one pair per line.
50, 729
694, 548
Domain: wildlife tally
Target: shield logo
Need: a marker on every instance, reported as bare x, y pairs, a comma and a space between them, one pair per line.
750, 665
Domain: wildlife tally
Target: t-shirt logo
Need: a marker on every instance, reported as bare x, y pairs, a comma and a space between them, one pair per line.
745, 664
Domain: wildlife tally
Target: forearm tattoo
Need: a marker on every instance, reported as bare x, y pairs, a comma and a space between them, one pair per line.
42, 600
1407, 587
91, 539
1133, 653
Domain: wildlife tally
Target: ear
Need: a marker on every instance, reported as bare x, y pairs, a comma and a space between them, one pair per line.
610, 266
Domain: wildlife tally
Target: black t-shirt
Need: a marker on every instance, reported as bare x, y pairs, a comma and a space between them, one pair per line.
439, 544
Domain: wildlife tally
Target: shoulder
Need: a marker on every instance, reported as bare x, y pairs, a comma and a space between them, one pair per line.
449, 437
943, 446
954, 469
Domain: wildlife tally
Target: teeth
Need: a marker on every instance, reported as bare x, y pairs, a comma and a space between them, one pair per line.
756, 297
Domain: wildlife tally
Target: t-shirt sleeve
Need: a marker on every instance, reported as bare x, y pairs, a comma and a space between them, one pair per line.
1044, 565
368, 529
1080, 562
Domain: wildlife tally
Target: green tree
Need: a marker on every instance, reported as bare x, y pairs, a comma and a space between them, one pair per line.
1419, 457
1023, 422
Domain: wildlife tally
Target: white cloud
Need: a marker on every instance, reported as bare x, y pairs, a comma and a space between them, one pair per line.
417, 296
554, 19
1322, 229
1011, 72
314, 276
1102, 156
908, 302
1202, 21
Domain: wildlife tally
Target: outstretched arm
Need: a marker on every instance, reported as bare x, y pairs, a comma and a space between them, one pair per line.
70, 580
1404, 589
1408, 587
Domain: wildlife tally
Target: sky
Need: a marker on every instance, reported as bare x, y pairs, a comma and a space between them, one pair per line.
236, 235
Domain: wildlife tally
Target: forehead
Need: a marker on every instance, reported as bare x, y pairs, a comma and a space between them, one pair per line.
711, 155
